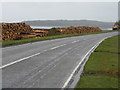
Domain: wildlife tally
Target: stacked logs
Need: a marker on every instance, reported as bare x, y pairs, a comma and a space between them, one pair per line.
78, 30
40, 32
0, 33
36, 33
14, 31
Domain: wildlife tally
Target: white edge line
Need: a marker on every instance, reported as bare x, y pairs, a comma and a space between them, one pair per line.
66, 83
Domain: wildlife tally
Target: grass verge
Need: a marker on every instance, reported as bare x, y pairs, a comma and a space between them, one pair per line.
101, 70
16, 42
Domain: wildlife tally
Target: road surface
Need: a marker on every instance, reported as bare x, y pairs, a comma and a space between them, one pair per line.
45, 64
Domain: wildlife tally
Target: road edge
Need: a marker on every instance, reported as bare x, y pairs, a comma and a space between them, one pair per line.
80, 66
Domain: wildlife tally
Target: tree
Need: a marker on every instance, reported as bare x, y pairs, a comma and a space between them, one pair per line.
118, 23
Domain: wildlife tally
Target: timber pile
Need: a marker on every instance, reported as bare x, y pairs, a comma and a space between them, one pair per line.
0, 35
40, 32
14, 31
78, 30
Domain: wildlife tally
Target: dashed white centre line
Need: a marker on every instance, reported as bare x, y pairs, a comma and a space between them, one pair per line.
75, 41
19, 60
45, 50
25, 58
55, 47
58, 46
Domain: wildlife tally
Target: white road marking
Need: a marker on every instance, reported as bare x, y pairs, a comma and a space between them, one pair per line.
55, 47
19, 60
51, 64
75, 41
66, 83
27, 57
58, 46
30, 57
45, 50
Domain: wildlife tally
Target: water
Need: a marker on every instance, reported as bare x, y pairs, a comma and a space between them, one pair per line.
49, 27
43, 27
106, 28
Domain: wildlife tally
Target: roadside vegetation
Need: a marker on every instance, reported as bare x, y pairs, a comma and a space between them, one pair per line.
101, 70
118, 23
16, 42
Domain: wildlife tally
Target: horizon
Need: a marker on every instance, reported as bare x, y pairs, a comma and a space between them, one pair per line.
55, 20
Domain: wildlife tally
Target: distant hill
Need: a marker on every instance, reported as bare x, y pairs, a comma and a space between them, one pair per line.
70, 23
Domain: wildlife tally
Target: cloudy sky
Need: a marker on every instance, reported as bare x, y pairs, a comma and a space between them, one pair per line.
21, 11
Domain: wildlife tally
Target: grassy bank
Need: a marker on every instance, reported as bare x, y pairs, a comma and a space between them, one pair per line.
16, 42
101, 70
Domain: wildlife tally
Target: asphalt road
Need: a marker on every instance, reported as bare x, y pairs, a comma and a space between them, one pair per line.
45, 64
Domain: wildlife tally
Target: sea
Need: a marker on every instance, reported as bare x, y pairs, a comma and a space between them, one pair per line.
44, 27
106, 28
49, 27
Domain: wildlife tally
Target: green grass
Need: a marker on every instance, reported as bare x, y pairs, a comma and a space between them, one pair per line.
16, 42
100, 82
101, 70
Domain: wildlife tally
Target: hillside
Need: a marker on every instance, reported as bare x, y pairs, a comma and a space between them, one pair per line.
70, 23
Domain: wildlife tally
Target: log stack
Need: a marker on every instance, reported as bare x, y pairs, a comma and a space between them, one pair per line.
0, 35
79, 29
40, 32
14, 31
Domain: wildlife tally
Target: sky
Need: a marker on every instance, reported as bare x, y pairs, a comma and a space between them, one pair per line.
59, 0
119, 11
23, 11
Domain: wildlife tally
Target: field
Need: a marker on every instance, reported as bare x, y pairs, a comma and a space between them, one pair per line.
101, 70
